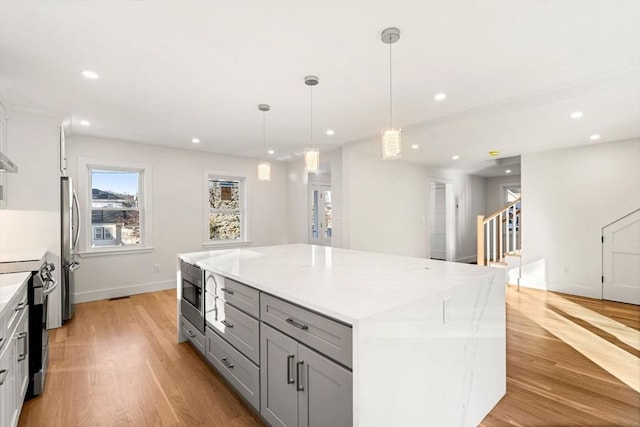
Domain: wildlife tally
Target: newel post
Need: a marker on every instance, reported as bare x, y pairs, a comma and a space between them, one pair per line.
480, 228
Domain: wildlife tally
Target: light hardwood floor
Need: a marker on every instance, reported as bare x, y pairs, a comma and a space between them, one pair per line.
117, 363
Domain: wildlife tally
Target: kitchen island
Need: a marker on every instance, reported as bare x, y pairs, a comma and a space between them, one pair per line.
414, 342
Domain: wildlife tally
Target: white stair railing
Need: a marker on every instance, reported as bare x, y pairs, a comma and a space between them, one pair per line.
499, 234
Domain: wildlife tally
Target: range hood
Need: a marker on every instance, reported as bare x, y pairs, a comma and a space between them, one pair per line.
7, 165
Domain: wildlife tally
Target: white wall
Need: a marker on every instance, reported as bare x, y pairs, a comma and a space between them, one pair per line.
494, 199
385, 202
31, 221
177, 213
568, 196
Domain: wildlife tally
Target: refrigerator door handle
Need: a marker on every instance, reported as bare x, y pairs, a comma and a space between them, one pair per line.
74, 266
76, 204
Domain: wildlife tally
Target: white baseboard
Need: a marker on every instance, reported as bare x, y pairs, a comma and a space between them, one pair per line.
468, 259
102, 294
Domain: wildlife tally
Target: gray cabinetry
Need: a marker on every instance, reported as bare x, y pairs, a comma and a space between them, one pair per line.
241, 373
300, 387
319, 332
193, 334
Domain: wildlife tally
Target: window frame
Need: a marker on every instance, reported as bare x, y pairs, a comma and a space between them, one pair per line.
244, 208
144, 170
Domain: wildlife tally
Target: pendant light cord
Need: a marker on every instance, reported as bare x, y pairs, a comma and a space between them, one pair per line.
390, 90
311, 109
264, 135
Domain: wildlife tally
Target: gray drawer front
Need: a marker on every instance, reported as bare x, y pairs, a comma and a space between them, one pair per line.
318, 332
241, 373
240, 329
193, 334
240, 296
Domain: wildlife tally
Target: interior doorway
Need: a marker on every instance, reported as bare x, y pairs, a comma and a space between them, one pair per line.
621, 260
320, 209
441, 219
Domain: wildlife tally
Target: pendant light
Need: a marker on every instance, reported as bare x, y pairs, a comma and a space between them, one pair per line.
312, 154
264, 167
391, 138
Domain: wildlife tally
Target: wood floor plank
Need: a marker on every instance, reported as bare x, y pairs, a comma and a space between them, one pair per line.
117, 363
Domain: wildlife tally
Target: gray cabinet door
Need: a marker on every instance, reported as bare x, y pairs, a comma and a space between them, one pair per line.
278, 395
327, 395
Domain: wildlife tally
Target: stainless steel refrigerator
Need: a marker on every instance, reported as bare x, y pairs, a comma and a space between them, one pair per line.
70, 229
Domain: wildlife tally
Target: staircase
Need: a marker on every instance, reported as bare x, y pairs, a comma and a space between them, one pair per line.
500, 238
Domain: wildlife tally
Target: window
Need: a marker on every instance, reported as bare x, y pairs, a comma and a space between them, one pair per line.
226, 211
117, 205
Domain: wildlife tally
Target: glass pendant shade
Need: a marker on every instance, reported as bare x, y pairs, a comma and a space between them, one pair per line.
312, 160
264, 171
391, 144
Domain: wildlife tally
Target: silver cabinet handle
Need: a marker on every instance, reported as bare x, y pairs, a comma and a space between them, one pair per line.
299, 374
21, 306
296, 324
191, 334
3, 375
290, 379
227, 324
226, 363
227, 291
23, 355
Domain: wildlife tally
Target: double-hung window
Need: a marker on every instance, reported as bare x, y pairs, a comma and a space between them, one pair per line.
117, 205
225, 217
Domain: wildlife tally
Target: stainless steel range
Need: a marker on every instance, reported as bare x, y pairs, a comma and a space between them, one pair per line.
41, 284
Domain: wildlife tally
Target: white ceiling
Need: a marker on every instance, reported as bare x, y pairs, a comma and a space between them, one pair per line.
171, 71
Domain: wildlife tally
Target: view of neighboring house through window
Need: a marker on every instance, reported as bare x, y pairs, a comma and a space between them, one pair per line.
226, 221
115, 207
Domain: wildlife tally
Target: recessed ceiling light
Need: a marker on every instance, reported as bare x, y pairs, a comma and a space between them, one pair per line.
271, 152
330, 132
195, 140
494, 153
576, 114
594, 137
455, 157
507, 171
90, 74
440, 96
415, 146
85, 122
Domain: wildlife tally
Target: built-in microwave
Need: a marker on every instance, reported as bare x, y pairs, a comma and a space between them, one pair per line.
192, 301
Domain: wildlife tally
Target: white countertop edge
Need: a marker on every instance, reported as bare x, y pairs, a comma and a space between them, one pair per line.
201, 259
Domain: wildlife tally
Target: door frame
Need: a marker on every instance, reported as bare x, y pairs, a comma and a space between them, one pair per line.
450, 216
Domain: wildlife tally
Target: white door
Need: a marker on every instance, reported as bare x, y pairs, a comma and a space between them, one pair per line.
621, 260
438, 221
320, 221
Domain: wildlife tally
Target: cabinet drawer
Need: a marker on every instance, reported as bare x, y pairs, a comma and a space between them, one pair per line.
325, 335
15, 312
193, 335
239, 295
238, 328
241, 373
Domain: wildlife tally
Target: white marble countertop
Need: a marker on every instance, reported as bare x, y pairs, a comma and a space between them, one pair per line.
344, 284
13, 262
10, 284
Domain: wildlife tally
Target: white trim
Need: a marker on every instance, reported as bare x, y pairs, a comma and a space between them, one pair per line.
119, 250
222, 244
244, 207
144, 188
103, 294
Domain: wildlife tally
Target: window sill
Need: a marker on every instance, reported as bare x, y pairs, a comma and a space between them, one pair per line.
115, 251
218, 245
